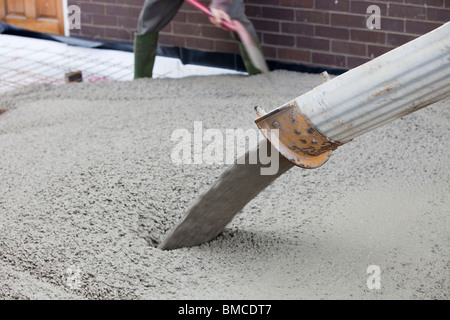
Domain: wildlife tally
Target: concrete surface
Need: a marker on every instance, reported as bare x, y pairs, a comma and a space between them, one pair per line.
87, 185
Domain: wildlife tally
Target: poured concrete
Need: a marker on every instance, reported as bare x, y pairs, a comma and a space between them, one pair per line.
88, 186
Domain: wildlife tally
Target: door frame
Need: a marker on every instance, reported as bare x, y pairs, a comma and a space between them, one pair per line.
65, 18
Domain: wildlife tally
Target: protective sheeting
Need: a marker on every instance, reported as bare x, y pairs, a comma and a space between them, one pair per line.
28, 61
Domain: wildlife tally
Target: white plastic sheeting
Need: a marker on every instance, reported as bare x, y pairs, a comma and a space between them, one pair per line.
28, 61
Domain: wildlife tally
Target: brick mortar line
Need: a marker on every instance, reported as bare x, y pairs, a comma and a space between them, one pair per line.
386, 32
310, 23
355, 15
194, 36
341, 54
333, 52
270, 6
348, 29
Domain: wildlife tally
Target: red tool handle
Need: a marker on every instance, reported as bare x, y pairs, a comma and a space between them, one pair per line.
204, 9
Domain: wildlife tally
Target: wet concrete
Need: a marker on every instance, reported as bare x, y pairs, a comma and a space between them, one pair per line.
87, 183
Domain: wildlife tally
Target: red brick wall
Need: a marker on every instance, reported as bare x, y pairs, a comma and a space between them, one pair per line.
324, 33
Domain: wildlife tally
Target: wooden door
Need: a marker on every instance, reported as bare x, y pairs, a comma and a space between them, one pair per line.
37, 15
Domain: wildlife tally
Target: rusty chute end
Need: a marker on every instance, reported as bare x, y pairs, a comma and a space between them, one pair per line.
298, 140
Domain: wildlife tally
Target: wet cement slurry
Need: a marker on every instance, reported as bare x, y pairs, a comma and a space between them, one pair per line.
87, 182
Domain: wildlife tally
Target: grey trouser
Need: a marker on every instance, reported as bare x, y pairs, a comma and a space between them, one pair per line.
156, 14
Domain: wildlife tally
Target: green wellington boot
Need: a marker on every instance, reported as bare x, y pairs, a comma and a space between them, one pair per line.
144, 54
251, 69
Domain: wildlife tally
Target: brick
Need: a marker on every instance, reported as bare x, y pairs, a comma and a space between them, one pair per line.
295, 55
196, 17
447, 4
171, 40
278, 13
168, 28
313, 43
264, 25
309, 16
92, 8
187, 7
348, 20
332, 32
356, 49
180, 17
253, 11
328, 59
118, 10
102, 20
200, 43
211, 32
135, 12
120, 34
389, 24
269, 52
374, 51
297, 3
92, 31
226, 46
406, 11
435, 14
433, 3
420, 27
330, 5
138, 3
86, 18
186, 29
77, 33
361, 7
127, 22
368, 36
398, 39
353, 62
279, 40
262, 2
297, 28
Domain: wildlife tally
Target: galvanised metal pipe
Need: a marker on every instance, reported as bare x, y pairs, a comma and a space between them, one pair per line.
386, 88
390, 86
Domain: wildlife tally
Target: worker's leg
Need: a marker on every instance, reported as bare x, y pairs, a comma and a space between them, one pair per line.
155, 15
236, 10
145, 46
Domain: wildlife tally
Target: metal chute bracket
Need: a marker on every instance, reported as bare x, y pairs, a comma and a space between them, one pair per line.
297, 139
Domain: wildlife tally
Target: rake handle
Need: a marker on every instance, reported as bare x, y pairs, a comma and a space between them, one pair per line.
205, 10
